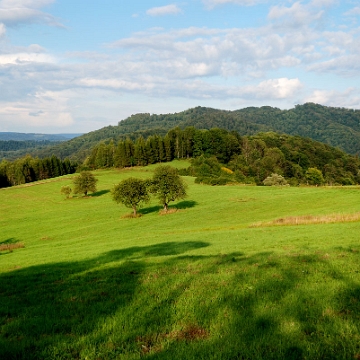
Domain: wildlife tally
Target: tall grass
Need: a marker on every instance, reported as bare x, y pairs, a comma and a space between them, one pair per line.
310, 219
199, 283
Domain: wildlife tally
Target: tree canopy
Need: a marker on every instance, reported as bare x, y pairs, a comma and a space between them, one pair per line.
338, 127
84, 183
131, 192
167, 185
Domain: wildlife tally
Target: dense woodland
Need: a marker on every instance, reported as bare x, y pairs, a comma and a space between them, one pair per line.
336, 127
28, 169
226, 155
14, 149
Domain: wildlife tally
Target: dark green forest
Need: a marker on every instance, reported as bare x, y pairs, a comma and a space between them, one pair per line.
220, 156
27, 169
14, 149
337, 127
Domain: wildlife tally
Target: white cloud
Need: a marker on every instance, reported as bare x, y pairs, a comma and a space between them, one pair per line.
210, 4
21, 58
43, 109
353, 12
164, 10
2, 30
323, 3
113, 84
349, 98
295, 16
25, 3
15, 12
195, 52
268, 64
281, 88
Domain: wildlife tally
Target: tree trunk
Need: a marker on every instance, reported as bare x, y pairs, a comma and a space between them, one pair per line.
134, 210
166, 207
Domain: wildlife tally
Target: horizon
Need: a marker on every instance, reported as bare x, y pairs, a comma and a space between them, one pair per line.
76, 67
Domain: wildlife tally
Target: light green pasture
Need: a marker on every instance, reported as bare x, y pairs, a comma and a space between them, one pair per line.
197, 283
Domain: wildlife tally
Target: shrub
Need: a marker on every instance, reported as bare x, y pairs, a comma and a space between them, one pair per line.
66, 190
275, 180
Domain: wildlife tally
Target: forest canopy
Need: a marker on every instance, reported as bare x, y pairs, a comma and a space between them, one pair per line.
338, 127
248, 159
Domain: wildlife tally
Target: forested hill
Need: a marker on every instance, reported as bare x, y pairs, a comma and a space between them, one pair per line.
337, 127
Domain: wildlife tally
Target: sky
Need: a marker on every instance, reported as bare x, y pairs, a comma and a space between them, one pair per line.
74, 66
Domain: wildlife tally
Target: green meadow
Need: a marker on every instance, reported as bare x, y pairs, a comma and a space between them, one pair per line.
215, 279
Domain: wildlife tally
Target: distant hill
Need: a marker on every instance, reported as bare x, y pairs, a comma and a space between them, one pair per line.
14, 145
6, 136
338, 127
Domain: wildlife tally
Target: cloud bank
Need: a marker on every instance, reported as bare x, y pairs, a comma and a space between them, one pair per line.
286, 60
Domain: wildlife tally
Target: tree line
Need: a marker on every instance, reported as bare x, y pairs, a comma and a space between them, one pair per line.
29, 169
253, 158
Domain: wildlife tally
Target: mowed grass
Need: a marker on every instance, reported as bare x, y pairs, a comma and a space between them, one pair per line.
199, 283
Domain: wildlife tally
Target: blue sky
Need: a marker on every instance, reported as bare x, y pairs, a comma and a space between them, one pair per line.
77, 66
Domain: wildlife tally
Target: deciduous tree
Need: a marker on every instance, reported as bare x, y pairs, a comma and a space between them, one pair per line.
167, 185
84, 183
131, 192
314, 176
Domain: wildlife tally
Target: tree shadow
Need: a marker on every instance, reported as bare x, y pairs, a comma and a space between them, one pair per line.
185, 204
9, 241
162, 249
46, 309
99, 193
149, 210
181, 205
131, 303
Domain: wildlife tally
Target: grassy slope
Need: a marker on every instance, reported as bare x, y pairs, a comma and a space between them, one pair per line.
198, 283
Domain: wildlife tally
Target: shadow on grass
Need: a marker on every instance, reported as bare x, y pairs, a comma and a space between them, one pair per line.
9, 245
181, 205
99, 193
131, 303
162, 249
9, 241
185, 204
149, 210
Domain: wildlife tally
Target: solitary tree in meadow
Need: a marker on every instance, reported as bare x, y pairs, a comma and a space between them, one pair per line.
131, 192
167, 185
84, 183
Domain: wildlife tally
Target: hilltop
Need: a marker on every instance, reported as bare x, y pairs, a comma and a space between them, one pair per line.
338, 127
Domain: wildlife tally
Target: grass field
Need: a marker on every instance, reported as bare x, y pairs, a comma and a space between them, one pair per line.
229, 275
